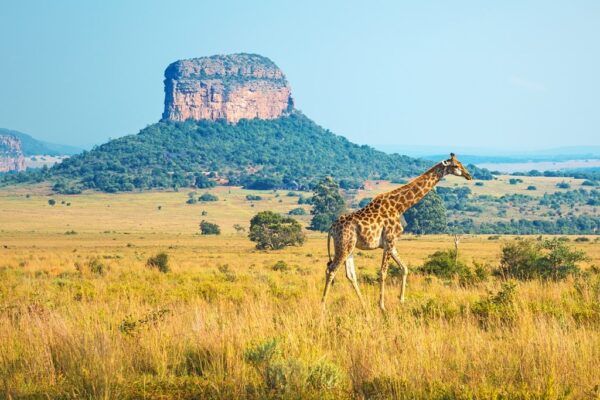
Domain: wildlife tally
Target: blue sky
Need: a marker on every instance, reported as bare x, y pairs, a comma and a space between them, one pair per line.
511, 75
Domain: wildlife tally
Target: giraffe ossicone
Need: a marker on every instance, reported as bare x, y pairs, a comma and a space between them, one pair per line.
378, 226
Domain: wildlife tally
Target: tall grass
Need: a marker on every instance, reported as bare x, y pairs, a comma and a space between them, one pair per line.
246, 330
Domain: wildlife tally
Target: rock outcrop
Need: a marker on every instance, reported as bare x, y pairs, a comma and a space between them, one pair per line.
230, 87
11, 156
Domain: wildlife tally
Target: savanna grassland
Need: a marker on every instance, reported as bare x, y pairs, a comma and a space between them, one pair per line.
83, 316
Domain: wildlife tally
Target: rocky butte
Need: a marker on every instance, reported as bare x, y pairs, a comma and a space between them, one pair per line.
230, 87
11, 156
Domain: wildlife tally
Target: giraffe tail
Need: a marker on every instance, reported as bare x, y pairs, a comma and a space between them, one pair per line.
329, 247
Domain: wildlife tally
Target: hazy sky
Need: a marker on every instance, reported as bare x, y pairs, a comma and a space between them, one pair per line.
514, 74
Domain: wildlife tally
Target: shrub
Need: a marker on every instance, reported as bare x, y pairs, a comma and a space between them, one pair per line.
498, 307
587, 182
239, 228
208, 197
478, 183
297, 211
563, 185
208, 228
280, 266
443, 264
582, 239
325, 375
51, 202
273, 231
531, 187
261, 353
253, 197
547, 259
514, 181
96, 267
159, 262
191, 198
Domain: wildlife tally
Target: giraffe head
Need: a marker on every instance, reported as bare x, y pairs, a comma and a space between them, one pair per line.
454, 167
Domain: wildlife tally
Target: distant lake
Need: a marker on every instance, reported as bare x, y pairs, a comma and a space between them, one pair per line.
540, 165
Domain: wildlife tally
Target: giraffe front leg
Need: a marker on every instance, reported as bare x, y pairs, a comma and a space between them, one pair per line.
404, 269
383, 274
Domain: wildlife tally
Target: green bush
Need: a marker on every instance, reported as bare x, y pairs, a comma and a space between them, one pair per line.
443, 264
191, 198
159, 262
208, 228
208, 197
531, 187
546, 259
563, 185
581, 239
51, 202
273, 231
280, 266
297, 211
253, 197
498, 307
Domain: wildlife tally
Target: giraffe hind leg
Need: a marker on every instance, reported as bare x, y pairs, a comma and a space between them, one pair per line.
332, 267
351, 275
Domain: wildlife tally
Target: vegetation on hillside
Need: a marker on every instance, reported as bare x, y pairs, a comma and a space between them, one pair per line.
286, 152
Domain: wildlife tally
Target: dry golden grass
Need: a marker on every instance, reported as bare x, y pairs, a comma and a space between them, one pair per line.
81, 316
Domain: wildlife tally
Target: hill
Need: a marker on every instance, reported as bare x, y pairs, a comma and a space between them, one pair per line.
287, 152
32, 147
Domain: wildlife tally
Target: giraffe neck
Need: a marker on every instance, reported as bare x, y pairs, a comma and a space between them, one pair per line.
408, 195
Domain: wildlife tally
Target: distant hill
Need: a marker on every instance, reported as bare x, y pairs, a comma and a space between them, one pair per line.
32, 147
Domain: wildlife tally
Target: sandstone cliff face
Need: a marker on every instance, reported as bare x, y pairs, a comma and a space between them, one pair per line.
11, 156
228, 87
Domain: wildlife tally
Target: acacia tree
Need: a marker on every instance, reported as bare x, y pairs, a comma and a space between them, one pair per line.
273, 231
328, 204
428, 216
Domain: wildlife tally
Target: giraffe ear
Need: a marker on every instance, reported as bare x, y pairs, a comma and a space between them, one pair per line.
453, 156
445, 163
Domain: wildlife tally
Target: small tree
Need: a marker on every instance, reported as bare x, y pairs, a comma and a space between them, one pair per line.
208, 228
51, 202
328, 204
273, 231
428, 216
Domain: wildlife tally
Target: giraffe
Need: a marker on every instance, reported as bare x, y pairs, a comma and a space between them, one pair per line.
377, 225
